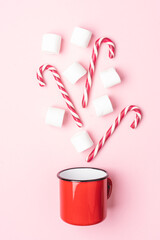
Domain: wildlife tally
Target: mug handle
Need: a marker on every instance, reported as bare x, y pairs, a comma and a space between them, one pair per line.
109, 187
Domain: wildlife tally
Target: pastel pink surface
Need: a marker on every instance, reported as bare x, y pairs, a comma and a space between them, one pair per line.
32, 153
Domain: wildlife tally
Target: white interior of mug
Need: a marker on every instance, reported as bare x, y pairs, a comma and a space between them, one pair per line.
82, 174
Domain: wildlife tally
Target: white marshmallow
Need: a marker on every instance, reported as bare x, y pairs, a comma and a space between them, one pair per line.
55, 116
74, 72
51, 43
81, 37
102, 106
81, 141
110, 78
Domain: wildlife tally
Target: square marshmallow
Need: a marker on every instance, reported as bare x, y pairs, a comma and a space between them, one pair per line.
51, 43
81, 141
102, 106
110, 78
74, 72
81, 37
55, 116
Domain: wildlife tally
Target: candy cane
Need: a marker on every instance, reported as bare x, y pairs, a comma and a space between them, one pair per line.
114, 126
61, 88
96, 47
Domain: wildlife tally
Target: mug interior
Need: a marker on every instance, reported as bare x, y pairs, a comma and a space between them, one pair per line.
82, 174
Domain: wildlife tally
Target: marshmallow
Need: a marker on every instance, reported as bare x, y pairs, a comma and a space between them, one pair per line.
51, 43
81, 141
102, 106
55, 116
81, 37
110, 77
74, 72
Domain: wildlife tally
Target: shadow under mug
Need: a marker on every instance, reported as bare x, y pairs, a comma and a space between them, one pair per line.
83, 195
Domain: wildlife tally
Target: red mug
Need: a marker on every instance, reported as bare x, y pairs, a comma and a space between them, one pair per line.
83, 195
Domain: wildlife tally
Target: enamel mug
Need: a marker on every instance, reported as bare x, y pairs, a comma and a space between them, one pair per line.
83, 195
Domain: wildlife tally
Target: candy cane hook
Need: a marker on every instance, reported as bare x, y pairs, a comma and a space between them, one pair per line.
61, 88
95, 51
114, 126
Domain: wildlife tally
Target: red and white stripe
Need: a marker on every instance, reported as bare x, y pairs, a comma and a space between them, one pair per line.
114, 126
61, 88
91, 69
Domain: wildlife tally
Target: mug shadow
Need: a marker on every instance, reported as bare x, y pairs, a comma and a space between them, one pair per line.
112, 202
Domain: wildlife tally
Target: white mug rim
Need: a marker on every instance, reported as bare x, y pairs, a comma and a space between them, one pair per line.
76, 179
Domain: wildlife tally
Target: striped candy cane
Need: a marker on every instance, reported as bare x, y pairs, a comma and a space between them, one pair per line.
95, 51
61, 88
114, 126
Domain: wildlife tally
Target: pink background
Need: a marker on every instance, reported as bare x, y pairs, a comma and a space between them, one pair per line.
32, 153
